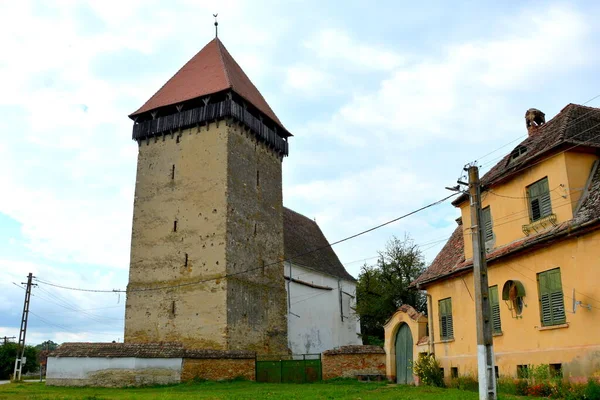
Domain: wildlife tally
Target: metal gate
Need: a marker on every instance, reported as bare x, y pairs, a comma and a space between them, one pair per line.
301, 368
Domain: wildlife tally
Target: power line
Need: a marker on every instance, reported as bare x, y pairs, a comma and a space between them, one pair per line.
256, 268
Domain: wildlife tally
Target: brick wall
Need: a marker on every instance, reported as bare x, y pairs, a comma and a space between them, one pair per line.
217, 370
349, 361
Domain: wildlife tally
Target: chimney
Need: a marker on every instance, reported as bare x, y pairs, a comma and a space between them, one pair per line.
534, 118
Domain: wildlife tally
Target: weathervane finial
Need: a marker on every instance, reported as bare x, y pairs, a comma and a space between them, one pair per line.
216, 25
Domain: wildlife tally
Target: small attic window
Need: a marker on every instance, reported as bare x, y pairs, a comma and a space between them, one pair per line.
518, 152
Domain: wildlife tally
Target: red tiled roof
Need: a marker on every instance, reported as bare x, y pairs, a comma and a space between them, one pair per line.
450, 260
211, 70
144, 350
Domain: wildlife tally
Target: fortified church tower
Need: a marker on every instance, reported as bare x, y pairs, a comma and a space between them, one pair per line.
207, 240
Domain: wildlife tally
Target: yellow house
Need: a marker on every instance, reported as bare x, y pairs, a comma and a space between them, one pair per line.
541, 210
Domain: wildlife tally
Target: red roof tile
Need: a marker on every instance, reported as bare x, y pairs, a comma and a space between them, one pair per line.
570, 128
211, 70
573, 125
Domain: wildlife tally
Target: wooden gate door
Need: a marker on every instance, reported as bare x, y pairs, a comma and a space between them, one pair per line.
404, 355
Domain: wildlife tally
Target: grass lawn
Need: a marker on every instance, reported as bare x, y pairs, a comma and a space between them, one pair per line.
346, 389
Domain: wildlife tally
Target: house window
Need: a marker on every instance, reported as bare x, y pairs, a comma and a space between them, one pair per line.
454, 372
522, 371
446, 326
486, 216
538, 196
552, 302
556, 370
495, 309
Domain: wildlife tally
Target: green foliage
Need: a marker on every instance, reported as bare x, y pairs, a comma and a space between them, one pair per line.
373, 340
8, 354
383, 287
506, 385
521, 387
47, 345
464, 383
592, 391
428, 369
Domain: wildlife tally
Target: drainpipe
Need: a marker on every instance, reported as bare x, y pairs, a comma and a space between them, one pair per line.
429, 318
430, 322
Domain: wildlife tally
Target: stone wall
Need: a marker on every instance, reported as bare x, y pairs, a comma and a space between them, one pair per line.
256, 300
349, 361
180, 178
218, 370
112, 372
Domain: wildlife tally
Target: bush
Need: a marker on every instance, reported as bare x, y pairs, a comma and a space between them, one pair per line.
464, 383
542, 389
507, 385
521, 387
592, 390
428, 369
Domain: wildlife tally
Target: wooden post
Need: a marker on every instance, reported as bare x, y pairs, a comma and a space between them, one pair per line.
485, 345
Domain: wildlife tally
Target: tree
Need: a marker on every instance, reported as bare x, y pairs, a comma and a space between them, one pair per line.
47, 345
8, 354
383, 287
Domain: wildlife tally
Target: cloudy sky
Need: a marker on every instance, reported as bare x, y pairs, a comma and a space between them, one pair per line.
386, 102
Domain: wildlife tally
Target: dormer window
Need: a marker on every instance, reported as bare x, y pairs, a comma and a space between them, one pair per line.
538, 195
518, 152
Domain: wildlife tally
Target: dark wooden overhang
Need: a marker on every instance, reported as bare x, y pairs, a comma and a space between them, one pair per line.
202, 111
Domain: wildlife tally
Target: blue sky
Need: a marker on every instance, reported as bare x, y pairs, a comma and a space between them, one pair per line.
387, 102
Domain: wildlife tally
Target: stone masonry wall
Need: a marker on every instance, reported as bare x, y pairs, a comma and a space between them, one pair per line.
182, 178
218, 370
256, 300
349, 361
112, 372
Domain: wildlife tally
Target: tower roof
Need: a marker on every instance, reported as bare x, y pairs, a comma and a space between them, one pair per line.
211, 70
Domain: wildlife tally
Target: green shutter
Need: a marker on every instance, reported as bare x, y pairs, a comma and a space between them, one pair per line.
495, 309
486, 216
446, 323
552, 302
538, 194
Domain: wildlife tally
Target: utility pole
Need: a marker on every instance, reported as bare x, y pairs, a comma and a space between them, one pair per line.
7, 338
23, 331
485, 344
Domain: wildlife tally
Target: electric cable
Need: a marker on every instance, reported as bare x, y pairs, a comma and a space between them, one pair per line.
251, 269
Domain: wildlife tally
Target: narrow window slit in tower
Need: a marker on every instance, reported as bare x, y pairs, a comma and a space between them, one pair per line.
257, 178
173, 172
255, 229
186, 259
173, 307
174, 226
178, 138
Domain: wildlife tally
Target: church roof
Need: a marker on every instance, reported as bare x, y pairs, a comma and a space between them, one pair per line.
210, 71
302, 235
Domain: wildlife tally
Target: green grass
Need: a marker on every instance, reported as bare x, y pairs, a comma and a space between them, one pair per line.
342, 389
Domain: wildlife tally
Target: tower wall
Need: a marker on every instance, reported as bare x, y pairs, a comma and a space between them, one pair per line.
194, 195
256, 301
227, 200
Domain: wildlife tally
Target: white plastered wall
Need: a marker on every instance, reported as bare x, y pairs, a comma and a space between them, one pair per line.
315, 322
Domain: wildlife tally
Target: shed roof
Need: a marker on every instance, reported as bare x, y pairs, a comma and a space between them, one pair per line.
302, 237
210, 71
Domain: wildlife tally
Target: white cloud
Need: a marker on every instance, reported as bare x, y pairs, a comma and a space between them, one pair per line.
464, 89
308, 80
339, 47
